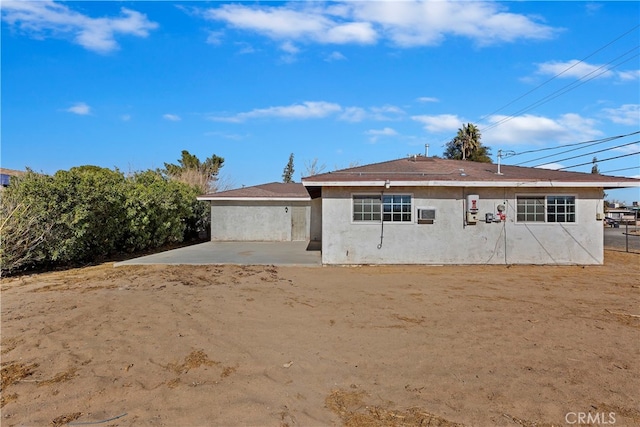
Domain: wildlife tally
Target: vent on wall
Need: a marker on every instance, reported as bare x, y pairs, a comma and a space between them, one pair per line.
426, 215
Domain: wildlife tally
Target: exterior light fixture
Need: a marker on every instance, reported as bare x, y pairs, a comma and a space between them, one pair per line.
387, 184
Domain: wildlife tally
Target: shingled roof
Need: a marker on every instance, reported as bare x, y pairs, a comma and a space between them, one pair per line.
432, 171
270, 191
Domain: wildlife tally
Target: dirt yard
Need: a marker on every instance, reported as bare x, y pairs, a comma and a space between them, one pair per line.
365, 346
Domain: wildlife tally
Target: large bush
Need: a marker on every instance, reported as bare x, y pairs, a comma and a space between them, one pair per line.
158, 210
25, 222
89, 212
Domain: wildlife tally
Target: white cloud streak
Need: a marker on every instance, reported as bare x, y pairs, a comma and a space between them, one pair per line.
171, 117
404, 24
42, 19
627, 114
440, 123
335, 56
79, 108
575, 69
427, 99
305, 110
375, 134
315, 110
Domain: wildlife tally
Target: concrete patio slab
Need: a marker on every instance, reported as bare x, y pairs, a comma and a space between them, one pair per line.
239, 253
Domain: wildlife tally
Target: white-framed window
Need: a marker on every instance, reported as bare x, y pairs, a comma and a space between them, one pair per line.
366, 208
396, 208
387, 207
545, 209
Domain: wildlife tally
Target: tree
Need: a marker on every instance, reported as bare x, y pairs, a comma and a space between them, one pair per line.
466, 145
191, 170
287, 173
312, 167
594, 168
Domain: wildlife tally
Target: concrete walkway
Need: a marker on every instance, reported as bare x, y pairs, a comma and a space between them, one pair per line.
239, 253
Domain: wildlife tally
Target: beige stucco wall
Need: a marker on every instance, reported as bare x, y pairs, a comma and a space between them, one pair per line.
450, 241
255, 220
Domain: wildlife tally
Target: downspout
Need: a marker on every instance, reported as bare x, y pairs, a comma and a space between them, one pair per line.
381, 219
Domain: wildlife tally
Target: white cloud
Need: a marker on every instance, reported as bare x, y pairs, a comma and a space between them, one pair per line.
573, 69
633, 148
215, 37
79, 108
440, 123
316, 110
291, 22
552, 166
335, 56
290, 51
40, 19
530, 129
245, 48
306, 110
382, 132
404, 24
629, 75
415, 23
125, 117
375, 134
627, 114
386, 112
289, 47
353, 114
171, 117
427, 99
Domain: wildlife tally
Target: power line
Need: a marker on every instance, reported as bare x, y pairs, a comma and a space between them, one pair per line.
591, 142
564, 89
599, 161
623, 169
568, 88
560, 73
593, 152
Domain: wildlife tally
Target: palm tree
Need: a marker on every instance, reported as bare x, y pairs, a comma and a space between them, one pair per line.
467, 146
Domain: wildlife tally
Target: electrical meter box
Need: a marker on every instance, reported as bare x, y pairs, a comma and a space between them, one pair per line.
473, 201
473, 205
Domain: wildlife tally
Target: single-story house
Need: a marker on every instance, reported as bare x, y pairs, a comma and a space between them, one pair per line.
425, 210
622, 215
267, 212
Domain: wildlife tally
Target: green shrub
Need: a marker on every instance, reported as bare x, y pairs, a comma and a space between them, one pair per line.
90, 212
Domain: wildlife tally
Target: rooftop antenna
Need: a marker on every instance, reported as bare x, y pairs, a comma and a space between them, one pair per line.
501, 155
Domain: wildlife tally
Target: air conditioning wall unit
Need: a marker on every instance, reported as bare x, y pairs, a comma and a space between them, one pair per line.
426, 215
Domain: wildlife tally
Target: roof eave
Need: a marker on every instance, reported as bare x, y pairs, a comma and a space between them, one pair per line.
254, 199
528, 184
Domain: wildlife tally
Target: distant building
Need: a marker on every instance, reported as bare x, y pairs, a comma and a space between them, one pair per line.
5, 176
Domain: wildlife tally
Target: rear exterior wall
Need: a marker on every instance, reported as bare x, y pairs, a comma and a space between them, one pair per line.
450, 240
259, 220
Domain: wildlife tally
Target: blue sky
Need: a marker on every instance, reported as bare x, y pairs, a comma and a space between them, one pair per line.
131, 84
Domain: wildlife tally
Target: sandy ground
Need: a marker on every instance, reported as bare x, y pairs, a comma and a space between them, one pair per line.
232, 345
